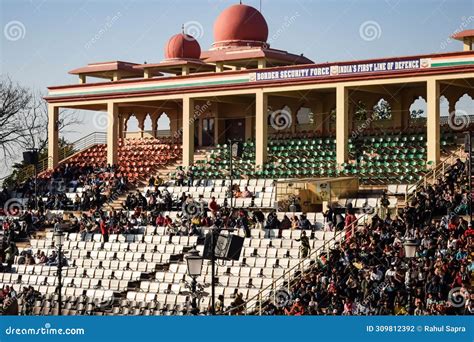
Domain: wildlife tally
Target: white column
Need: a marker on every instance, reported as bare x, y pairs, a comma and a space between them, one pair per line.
342, 123
188, 131
53, 148
432, 121
112, 133
261, 130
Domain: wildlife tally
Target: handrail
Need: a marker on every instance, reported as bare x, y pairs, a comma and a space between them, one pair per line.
434, 173
300, 265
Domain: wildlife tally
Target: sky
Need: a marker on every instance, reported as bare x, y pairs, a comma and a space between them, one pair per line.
44, 39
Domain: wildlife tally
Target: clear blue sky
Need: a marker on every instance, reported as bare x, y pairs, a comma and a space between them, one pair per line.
58, 33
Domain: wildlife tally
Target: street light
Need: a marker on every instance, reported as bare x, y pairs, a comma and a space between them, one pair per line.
58, 243
410, 248
194, 262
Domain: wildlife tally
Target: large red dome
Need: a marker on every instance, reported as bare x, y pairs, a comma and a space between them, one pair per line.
240, 23
184, 46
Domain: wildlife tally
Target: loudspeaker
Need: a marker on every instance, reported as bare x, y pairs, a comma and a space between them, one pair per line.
30, 157
469, 142
237, 149
227, 247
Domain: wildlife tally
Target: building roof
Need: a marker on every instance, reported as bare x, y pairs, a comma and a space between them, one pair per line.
463, 34
107, 70
240, 25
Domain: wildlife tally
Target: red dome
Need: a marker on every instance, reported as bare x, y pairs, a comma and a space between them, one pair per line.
182, 45
240, 22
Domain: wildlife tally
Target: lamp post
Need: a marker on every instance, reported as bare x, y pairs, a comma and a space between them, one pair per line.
410, 246
58, 243
194, 263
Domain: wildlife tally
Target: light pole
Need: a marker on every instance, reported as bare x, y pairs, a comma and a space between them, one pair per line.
194, 263
58, 243
410, 246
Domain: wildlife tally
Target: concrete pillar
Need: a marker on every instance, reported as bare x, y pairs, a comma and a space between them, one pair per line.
262, 63
342, 124
185, 70
261, 131
121, 120
219, 67
147, 73
154, 125
112, 133
188, 131
141, 123
53, 134
432, 121
82, 79
199, 123
116, 76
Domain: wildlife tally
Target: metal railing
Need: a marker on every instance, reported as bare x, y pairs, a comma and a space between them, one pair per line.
437, 171
64, 153
254, 305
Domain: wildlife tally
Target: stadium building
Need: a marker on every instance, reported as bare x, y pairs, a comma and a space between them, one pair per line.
345, 136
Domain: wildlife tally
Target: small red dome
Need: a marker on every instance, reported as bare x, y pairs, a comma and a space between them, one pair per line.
240, 22
182, 45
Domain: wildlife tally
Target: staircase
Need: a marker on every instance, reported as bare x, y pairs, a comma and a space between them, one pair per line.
470, 174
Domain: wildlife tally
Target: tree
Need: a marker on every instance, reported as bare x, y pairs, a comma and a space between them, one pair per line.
24, 121
382, 110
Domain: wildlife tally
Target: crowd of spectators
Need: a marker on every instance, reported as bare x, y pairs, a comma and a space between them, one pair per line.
369, 274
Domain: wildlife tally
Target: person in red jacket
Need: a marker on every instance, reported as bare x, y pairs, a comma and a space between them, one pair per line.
104, 230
